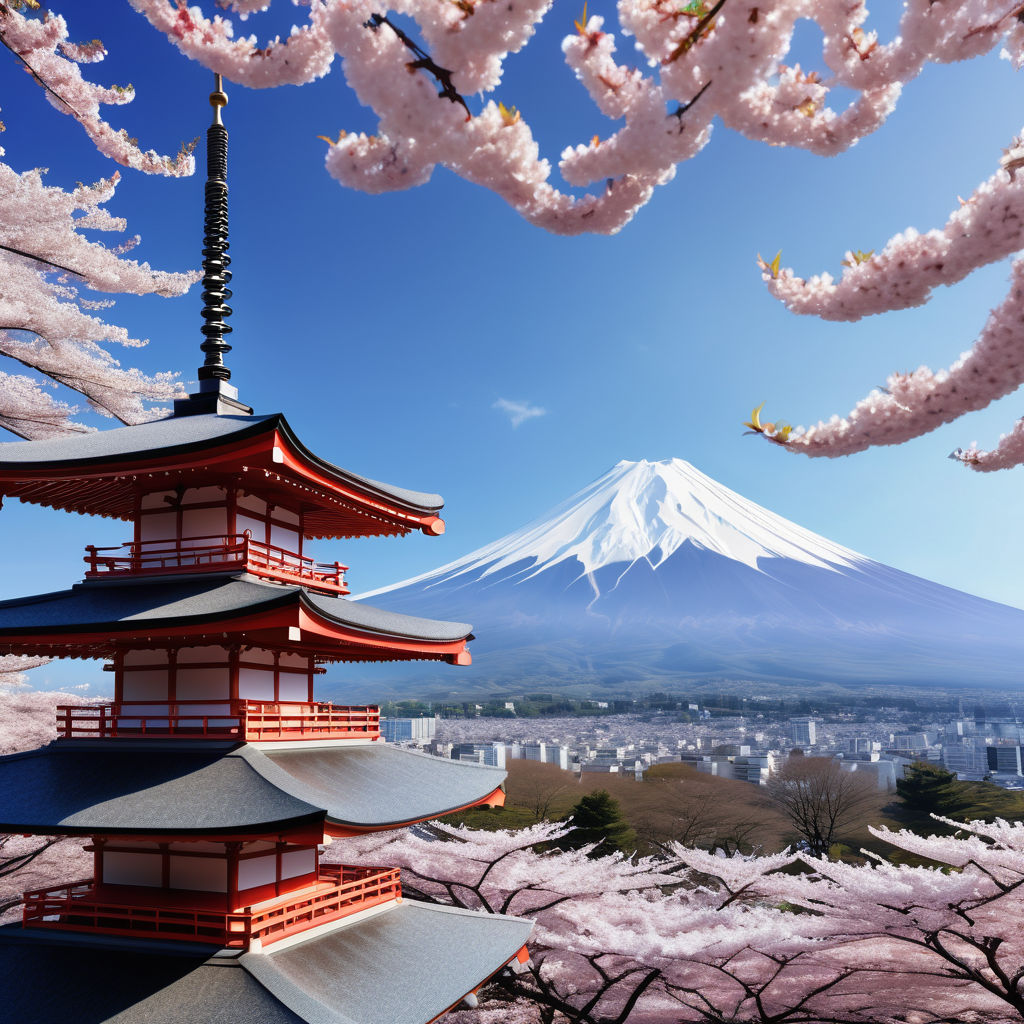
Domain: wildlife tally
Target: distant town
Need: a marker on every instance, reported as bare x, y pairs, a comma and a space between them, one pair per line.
732, 738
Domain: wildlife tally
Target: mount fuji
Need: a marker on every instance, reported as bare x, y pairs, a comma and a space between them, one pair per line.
656, 575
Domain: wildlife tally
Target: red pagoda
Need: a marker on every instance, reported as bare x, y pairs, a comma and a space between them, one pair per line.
206, 788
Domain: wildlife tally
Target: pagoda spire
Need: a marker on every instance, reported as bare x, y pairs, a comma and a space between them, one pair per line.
215, 394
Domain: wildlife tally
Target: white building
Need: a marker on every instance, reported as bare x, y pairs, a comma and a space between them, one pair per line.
557, 755
804, 731
408, 730
492, 754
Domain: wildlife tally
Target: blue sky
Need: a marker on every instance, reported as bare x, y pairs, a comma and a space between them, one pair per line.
390, 329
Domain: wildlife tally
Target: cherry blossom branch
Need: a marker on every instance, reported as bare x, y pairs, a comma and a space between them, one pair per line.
913, 404
41, 231
43, 47
37, 259
423, 62
755, 91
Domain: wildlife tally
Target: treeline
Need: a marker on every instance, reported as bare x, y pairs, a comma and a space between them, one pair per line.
929, 789
672, 706
531, 705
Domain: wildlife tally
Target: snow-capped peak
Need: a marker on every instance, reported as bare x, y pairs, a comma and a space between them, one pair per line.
647, 510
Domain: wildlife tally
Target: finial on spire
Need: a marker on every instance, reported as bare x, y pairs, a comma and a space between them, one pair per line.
218, 99
215, 393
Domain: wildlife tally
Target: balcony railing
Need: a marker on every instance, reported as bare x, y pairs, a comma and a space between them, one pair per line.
340, 891
248, 720
209, 554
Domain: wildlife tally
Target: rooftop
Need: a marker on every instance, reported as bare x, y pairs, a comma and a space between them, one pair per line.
92, 617
101, 473
174, 787
404, 965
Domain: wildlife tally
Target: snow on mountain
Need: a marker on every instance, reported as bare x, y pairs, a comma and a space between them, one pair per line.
655, 574
647, 510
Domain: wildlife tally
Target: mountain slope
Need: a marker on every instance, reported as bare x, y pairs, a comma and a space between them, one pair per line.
657, 574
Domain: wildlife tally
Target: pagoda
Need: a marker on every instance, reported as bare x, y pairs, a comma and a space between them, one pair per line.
208, 787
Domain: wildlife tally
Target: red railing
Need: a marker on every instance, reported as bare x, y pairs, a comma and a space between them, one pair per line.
249, 720
340, 891
356, 889
206, 554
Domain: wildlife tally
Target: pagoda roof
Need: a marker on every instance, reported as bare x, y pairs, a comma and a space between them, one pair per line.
407, 964
100, 473
93, 618
182, 788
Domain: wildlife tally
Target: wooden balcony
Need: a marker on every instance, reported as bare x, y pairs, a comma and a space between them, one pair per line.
251, 721
213, 554
140, 912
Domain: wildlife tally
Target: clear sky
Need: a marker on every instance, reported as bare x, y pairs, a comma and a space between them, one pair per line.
390, 329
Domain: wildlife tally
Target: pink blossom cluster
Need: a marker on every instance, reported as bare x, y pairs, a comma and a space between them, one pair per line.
700, 936
987, 227
48, 326
43, 46
703, 61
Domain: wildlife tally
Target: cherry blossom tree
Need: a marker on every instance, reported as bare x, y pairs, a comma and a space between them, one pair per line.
47, 324
949, 922
701, 936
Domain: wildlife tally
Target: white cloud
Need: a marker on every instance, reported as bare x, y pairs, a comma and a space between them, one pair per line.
519, 412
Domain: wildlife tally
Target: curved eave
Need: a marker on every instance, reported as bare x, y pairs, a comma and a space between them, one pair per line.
94, 619
101, 473
374, 787
409, 509
358, 625
87, 787
195, 788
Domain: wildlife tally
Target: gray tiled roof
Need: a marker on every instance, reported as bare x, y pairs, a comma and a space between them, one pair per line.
377, 784
403, 966
177, 433
379, 620
105, 786
127, 442
126, 605
144, 786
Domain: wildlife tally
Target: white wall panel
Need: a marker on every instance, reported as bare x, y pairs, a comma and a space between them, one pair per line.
255, 684
256, 527
163, 526
293, 687
204, 522
200, 683
144, 685
206, 874
297, 862
132, 868
253, 871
